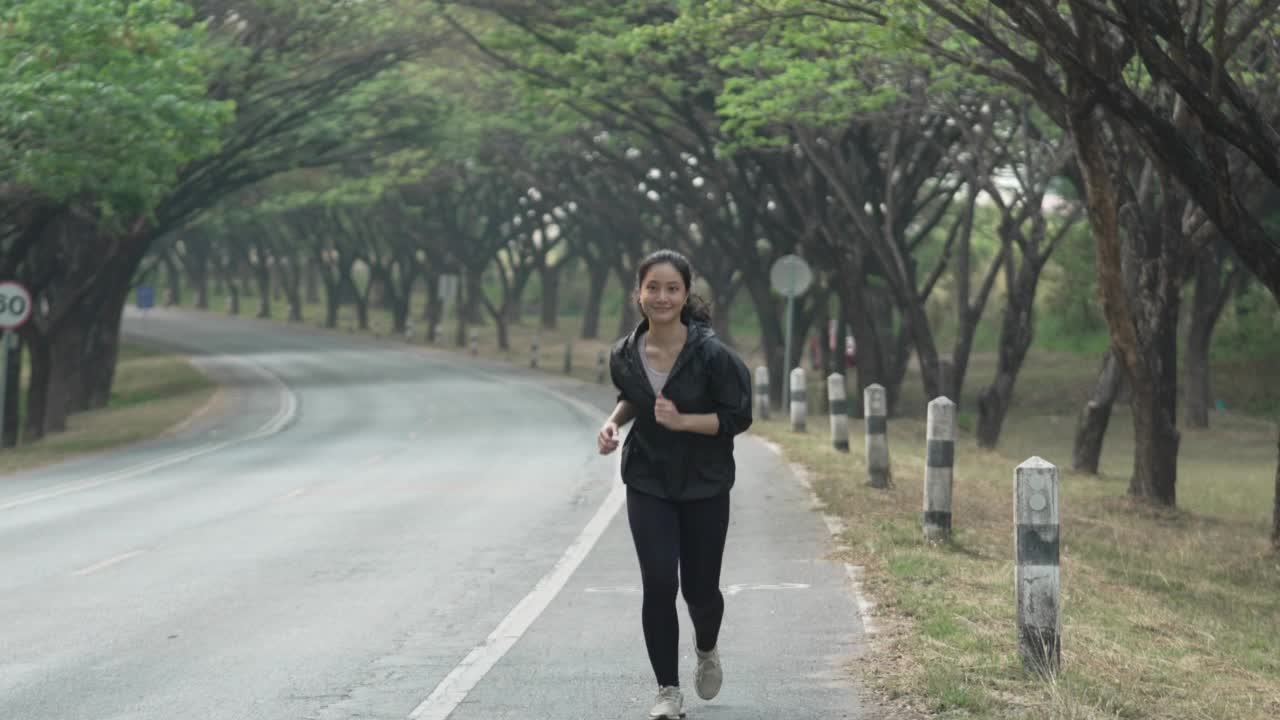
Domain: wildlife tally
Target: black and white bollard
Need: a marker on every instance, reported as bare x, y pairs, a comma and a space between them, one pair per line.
533, 353
475, 343
838, 401
875, 410
601, 367
568, 358
799, 401
762, 392
1035, 489
940, 454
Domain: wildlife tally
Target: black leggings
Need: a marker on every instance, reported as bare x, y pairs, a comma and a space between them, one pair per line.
689, 535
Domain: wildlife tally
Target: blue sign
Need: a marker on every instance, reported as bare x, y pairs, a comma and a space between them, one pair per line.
146, 297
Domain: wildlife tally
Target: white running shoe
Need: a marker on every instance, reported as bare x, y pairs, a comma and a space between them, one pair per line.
669, 705
708, 677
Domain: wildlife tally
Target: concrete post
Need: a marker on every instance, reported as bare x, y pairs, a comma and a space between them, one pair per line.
838, 403
568, 358
762, 392
475, 343
799, 401
875, 410
1035, 488
601, 366
940, 453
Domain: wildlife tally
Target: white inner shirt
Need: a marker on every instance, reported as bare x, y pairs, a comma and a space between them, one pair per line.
656, 379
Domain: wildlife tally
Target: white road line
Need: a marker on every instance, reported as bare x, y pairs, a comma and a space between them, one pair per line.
290, 496
284, 415
107, 563
462, 679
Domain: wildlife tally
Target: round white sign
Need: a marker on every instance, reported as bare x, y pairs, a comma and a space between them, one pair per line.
15, 305
791, 275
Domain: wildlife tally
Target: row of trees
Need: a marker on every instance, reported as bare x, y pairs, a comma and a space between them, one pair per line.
872, 138
126, 120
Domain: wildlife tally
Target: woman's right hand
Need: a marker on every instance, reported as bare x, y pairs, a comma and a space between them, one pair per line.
607, 440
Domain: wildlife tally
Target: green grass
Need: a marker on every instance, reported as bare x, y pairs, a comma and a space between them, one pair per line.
153, 391
1167, 615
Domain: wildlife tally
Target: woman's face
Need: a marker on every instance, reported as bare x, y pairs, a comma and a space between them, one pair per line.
663, 293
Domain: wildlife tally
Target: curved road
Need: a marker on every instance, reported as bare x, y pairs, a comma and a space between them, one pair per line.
356, 529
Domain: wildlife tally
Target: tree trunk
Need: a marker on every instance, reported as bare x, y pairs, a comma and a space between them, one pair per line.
899, 358
868, 357
630, 315
400, 298
1092, 426
499, 314
333, 290
313, 281
376, 290
399, 315
233, 291
332, 300
474, 295
1155, 391
501, 325
13, 380
1156, 441
101, 350
200, 277
550, 296
277, 282
362, 310
926, 351
65, 383
721, 309
173, 273
468, 303
771, 332
1140, 278
821, 315
433, 308
37, 386
1210, 298
1197, 359
290, 283
262, 276
513, 310
1016, 333
598, 279
294, 298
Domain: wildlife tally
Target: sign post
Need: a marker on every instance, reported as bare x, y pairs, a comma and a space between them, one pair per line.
15, 311
146, 299
791, 277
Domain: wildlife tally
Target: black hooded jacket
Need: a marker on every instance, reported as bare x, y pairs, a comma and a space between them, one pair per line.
707, 377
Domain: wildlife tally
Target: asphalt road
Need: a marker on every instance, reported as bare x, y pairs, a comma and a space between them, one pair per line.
356, 529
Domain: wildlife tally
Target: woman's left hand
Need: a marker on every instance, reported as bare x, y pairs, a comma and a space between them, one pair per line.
665, 412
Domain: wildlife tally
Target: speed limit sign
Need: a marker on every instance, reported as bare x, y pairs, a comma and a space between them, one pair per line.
15, 305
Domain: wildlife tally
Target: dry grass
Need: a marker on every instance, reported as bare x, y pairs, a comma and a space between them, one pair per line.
153, 392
